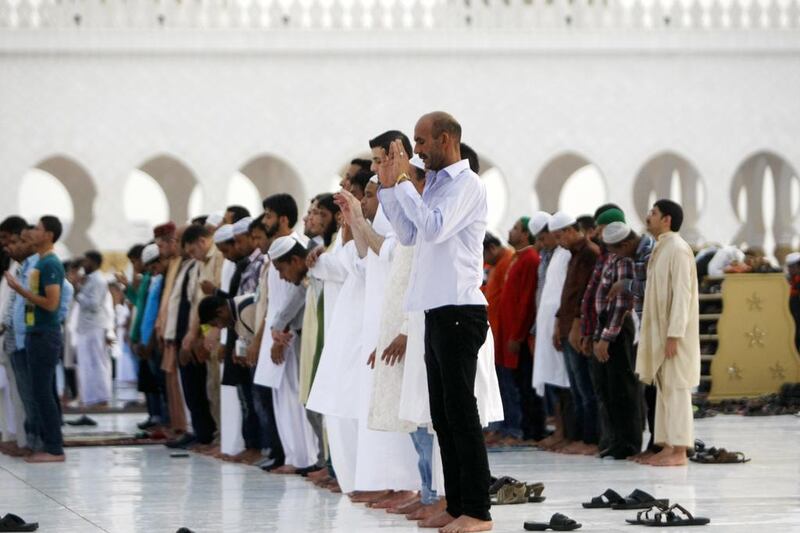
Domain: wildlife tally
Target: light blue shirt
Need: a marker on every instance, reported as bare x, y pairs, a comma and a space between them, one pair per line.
67, 292
151, 308
446, 225
18, 317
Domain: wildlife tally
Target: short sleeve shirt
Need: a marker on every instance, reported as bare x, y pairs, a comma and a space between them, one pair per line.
48, 271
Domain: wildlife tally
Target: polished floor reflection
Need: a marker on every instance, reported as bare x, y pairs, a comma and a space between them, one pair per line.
143, 489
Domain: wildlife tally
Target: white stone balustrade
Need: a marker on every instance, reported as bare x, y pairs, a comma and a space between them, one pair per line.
402, 14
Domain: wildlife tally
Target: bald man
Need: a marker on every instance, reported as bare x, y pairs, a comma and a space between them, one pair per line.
447, 224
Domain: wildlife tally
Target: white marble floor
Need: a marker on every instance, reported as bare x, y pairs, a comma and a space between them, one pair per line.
142, 489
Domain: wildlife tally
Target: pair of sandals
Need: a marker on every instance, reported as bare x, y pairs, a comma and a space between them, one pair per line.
664, 516
638, 499
509, 491
12, 522
713, 455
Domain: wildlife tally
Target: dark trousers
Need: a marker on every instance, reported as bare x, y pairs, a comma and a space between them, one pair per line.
597, 373
582, 390
453, 336
193, 380
43, 351
523, 408
650, 406
619, 389
262, 401
251, 429
157, 400
19, 364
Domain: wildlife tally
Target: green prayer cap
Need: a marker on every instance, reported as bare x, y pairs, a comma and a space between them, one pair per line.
609, 216
525, 221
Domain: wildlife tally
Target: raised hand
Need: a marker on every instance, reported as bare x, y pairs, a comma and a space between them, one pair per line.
396, 163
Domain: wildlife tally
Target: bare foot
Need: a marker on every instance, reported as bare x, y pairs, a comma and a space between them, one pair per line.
590, 449
437, 521
467, 524
574, 448
284, 470
642, 457
407, 507
319, 474
397, 498
323, 481
368, 496
665, 452
42, 457
558, 448
428, 511
676, 457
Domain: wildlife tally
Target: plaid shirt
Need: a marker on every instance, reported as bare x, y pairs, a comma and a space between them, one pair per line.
611, 313
635, 287
252, 271
588, 314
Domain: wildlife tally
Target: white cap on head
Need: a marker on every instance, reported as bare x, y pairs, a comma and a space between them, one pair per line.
417, 162
538, 221
792, 258
242, 226
374, 179
281, 247
616, 232
223, 234
561, 220
215, 219
150, 253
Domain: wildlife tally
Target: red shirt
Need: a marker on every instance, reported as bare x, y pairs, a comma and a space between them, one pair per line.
494, 287
517, 309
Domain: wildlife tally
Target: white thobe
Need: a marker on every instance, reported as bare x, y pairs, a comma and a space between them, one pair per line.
386, 460
297, 436
332, 393
548, 363
94, 363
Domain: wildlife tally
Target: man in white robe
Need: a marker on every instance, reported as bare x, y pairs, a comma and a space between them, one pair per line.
278, 361
669, 343
94, 362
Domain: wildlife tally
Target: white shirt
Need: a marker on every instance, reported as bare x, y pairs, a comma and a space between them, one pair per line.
92, 299
447, 225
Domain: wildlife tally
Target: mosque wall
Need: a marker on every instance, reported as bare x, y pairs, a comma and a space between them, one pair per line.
199, 105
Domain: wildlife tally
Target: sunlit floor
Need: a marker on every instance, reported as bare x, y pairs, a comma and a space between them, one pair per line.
143, 489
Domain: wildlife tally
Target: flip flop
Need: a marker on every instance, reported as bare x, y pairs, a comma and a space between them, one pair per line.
676, 516
638, 499
720, 456
12, 522
558, 522
604, 501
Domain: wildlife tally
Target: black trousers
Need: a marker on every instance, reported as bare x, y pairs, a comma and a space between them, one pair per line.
597, 373
621, 394
533, 416
453, 336
193, 379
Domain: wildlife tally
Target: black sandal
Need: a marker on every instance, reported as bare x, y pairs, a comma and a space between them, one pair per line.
558, 522
638, 499
643, 517
12, 522
604, 501
671, 518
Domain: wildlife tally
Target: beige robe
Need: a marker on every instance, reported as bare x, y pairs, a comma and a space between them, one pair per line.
671, 309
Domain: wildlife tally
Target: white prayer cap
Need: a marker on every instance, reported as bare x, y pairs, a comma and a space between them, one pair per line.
561, 220
150, 254
281, 247
242, 226
616, 232
416, 161
538, 221
374, 179
223, 234
792, 258
215, 219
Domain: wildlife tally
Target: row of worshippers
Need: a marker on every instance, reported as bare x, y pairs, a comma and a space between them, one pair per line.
566, 305
295, 352
89, 333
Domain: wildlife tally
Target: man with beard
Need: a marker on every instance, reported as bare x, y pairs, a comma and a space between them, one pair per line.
278, 364
524, 417
447, 224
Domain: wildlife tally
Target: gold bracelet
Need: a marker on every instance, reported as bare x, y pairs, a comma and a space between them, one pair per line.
401, 178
